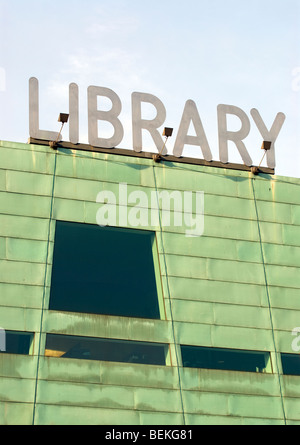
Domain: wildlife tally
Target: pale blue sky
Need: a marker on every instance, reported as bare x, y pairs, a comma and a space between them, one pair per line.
243, 53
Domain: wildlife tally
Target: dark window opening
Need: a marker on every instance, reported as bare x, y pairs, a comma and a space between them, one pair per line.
290, 364
104, 270
224, 359
12, 342
110, 350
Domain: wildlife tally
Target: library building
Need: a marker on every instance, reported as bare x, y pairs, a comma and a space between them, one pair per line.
141, 289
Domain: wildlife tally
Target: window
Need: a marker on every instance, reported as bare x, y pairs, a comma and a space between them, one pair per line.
290, 364
13, 342
225, 359
105, 270
105, 349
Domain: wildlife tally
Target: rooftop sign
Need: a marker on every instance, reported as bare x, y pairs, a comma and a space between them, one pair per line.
190, 115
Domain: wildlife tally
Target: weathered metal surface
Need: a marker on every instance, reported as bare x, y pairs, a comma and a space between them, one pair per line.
16, 413
228, 382
17, 366
106, 326
217, 289
108, 373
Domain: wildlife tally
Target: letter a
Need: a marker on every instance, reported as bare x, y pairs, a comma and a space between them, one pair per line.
190, 114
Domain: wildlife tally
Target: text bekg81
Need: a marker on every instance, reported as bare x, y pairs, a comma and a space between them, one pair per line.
190, 116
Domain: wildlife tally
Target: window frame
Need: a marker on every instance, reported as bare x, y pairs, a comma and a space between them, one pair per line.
267, 356
31, 336
117, 341
156, 270
286, 354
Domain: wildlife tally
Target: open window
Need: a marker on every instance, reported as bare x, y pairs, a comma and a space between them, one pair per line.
111, 350
105, 270
225, 359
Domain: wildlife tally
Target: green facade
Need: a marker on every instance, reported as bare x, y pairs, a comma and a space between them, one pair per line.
236, 286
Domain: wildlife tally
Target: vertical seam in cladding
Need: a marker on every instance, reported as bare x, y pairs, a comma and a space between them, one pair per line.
269, 302
44, 290
168, 287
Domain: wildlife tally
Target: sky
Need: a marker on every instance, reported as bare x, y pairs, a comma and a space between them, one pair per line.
241, 53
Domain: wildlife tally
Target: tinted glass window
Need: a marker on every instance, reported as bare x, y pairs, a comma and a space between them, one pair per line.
12, 342
104, 270
290, 364
105, 349
225, 359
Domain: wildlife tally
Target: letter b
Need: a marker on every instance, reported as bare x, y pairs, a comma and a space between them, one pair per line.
110, 116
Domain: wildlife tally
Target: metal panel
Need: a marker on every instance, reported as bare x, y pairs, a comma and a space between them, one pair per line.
221, 314
3, 248
18, 366
107, 396
224, 336
2, 179
209, 420
21, 272
229, 382
286, 319
283, 276
26, 250
281, 255
108, 373
232, 228
274, 211
184, 179
217, 291
291, 386
291, 235
107, 327
16, 413
296, 215
24, 205
209, 247
292, 407
78, 415
19, 319
31, 183
219, 205
26, 160
16, 390
23, 227
216, 270
196, 402
284, 297
70, 210
96, 167
20, 295
278, 190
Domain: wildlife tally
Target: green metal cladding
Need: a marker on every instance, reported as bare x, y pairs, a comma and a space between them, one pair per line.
237, 286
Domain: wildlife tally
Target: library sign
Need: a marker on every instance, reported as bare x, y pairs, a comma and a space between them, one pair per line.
190, 116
